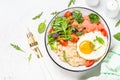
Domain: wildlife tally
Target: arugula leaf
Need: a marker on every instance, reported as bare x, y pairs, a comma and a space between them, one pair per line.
16, 47
66, 37
79, 33
54, 13
100, 40
64, 56
94, 17
60, 24
71, 2
117, 24
42, 27
54, 45
117, 36
51, 40
38, 16
29, 57
64, 25
77, 15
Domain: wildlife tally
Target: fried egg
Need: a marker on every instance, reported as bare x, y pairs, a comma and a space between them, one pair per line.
92, 45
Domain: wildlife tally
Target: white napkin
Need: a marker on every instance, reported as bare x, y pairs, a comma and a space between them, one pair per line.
110, 67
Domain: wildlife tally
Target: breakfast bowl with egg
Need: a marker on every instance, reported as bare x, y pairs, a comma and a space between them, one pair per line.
77, 39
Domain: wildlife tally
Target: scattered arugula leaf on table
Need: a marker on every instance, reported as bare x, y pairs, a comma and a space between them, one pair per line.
54, 13
16, 47
117, 36
42, 27
71, 2
117, 24
38, 16
94, 17
29, 57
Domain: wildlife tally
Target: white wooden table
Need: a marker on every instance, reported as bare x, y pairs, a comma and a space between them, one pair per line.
15, 18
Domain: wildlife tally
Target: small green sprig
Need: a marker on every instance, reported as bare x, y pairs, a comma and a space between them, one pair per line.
38, 16
54, 13
16, 47
117, 24
99, 39
117, 36
29, 57
71, 2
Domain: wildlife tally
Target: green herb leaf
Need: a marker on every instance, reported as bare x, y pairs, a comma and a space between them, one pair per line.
117, 24
71, 2
51, 40
77, 15
117, 36
60, 24
94, 17
64, 56
42, 27
29, 57
38, 16
100, 40
16, 47
54, 13
64, 25
54, 45
66, 37
79, 33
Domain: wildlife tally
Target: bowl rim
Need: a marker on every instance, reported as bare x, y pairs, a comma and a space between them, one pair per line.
90, 67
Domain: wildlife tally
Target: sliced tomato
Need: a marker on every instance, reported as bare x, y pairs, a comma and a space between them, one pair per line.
51, 30
67, 14
104, 32
74, 38
89, 63
63, 42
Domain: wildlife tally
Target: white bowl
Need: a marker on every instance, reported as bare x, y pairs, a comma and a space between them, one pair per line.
55, 58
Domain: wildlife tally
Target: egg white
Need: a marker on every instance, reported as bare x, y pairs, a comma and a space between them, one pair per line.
101, 48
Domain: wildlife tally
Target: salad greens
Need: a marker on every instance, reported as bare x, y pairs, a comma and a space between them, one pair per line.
42, 27
60, 24
51, 40
100, 40
71, 2
77, 15
38, 16
94, 17
117, 24
117, 36
29, 57
16, 47
61, 27
54, 45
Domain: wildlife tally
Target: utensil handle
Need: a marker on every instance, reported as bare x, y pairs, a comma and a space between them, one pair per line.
39, 54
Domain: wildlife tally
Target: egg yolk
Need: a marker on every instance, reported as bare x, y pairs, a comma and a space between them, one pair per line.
86, 47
